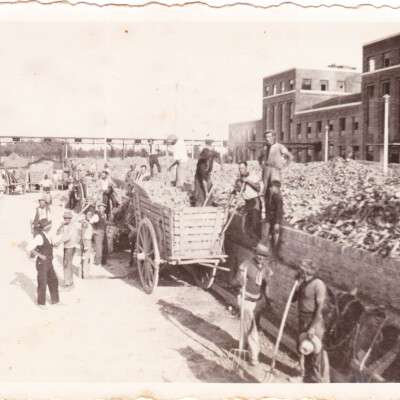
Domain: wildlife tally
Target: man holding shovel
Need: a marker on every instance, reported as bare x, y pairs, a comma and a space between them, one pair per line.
252, 276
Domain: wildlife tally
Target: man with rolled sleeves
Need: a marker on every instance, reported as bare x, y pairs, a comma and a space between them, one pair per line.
253, 273
41, 212
180, 158
42, 247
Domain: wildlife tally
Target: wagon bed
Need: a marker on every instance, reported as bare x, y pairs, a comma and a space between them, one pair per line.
178, 236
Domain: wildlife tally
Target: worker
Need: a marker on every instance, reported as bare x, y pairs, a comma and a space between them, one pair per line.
153, 157
45, 186
274, 157
180, 157
99, 222
41, 212
42, 248
130, 178
251, 220
274, 216
86, 242
69, 232
254, 274
107, 169
142, 174
311, 296
202, 179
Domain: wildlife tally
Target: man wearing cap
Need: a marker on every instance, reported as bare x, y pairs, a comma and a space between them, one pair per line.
253, 274
42, 247
99, 223
274, 157
179, 153
69, 232
311, 300
41, 212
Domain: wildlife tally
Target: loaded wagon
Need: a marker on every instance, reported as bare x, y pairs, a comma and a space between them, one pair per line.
178, 236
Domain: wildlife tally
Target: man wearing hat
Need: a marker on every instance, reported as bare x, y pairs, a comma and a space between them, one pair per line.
179, 153
42, 247
253, 274
311, 300
69, 232
41, 212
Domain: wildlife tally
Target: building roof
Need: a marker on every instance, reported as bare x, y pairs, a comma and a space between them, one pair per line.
14, 161
382, 39
336, 101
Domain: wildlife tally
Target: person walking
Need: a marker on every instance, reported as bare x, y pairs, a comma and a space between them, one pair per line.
274, 157
41, 212
311, 296
42, 248
253, 273
180, 157
153, 157
69, 232
99, 223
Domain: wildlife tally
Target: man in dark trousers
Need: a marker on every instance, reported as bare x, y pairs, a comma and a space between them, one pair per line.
311, 297
42, 247
255, 273
274, 216
153, 157
99, 223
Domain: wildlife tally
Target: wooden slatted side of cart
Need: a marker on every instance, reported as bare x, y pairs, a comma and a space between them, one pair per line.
182, 236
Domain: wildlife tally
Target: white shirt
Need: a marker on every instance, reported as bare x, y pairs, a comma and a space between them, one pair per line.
180, 151
45, 183
38, 241
44, 213
103, 184
248, 191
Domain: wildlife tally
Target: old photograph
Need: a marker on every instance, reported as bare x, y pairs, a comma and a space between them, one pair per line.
200, 196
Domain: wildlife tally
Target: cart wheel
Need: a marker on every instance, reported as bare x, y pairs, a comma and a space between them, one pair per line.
204, 276
148, 256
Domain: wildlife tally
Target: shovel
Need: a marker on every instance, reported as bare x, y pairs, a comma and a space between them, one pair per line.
239, 356
278, 339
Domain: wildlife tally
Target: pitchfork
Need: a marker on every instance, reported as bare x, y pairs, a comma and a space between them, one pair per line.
239, 356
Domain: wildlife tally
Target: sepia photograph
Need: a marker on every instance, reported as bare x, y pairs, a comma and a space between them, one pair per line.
200, 196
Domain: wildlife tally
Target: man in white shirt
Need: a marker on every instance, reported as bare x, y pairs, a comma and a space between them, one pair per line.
41, 212
45, 184
142, 174
180, 157
42, 248
251, 221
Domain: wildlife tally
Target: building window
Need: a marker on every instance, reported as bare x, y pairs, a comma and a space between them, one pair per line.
319, 127
266, 113
309, 154
342, 124
273, 117
298, 130
274, 91
330, 150
386, 60
342, 151
281, 119
291, 84
341, 86
370, 95
306, 84
371, 64
330, 125
290, 118
282, 87
385, 88
370, 153
309, 130
266, 89
355, 125
324, 85
356, 152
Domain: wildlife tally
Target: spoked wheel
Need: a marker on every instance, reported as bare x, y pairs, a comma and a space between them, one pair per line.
148, 256
204, 276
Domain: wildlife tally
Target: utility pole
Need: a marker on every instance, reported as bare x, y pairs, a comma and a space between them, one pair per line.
326, 143
386, 134
105, 149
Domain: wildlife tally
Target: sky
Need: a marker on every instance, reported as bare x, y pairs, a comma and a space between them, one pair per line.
141, 79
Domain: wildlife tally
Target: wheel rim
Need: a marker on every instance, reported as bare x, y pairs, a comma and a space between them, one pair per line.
147, 256
204, 276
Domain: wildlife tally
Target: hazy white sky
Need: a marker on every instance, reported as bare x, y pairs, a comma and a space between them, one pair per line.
118, 79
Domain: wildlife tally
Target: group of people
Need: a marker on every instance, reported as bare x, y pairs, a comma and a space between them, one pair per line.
87, 232
255, 275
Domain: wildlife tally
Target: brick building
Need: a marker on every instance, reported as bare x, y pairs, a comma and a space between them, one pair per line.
299, 103
245, 140
381, 76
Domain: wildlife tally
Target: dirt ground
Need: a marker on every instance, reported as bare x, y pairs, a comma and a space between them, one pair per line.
107, 329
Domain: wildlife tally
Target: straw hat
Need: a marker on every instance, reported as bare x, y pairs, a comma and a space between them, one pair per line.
68, 214
308, 346
262, 249
43, 223
171, 138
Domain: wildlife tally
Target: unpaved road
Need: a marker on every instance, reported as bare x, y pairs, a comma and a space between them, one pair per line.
107, 329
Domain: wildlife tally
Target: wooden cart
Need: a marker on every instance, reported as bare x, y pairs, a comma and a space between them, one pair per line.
185, 236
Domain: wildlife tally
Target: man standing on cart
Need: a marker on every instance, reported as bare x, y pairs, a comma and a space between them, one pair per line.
179, 153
